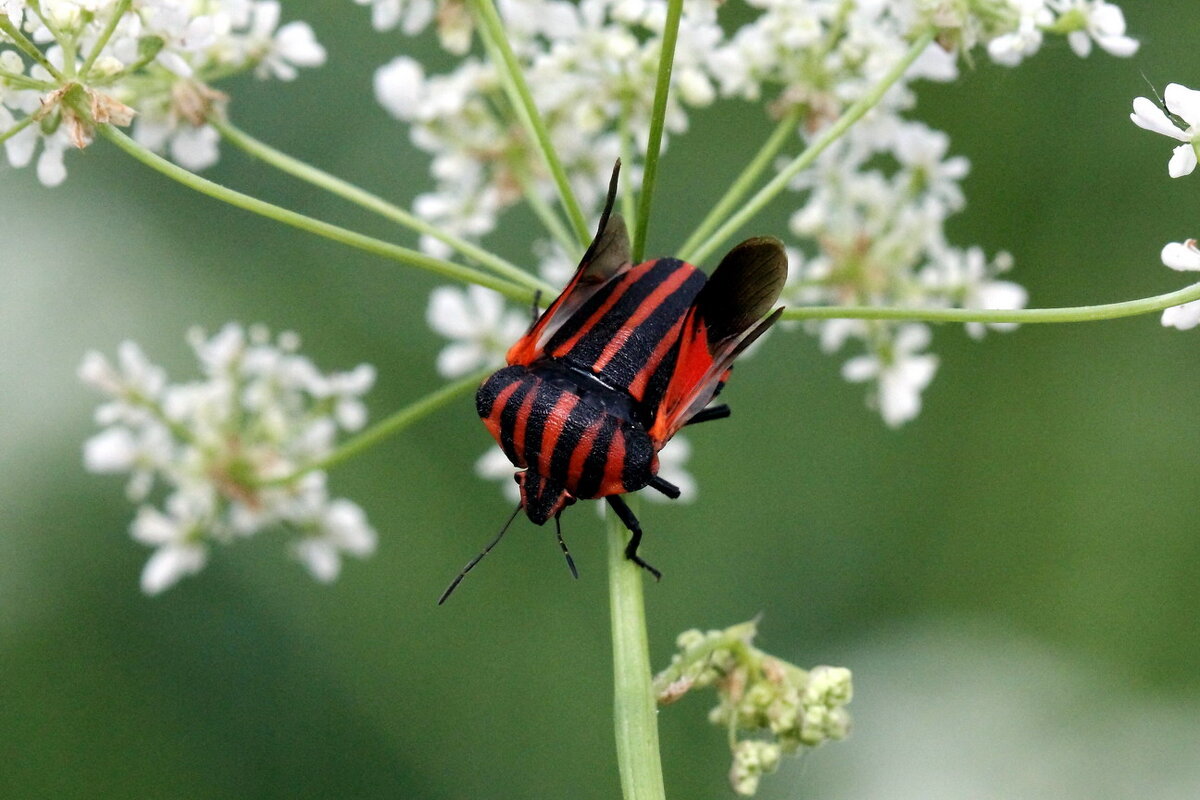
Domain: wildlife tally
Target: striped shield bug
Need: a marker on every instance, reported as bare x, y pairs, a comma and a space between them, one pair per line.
615, 366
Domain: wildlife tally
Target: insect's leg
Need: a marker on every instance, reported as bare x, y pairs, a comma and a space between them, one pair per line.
712, 412
664, 486
563, 545
630, 521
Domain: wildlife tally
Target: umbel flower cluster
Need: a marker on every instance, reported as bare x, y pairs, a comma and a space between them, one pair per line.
67, 65
867, 212
770, 708
231, 454
870, 214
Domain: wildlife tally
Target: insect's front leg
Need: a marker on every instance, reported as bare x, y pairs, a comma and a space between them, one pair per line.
625, 514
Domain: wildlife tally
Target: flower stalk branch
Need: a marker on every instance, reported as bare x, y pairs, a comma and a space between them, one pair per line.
745, 181
28, 48
658, 116
491, 29
348, 191
1128, 308
831, 134
388, 427
404, 255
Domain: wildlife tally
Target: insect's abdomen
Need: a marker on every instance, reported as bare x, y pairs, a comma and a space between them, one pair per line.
577, 437
625, 333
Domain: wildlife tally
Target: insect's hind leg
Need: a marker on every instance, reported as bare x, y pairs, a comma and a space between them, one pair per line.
712, 412
625, 514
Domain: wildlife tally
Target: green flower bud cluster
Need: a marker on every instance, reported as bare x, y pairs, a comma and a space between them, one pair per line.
769, 707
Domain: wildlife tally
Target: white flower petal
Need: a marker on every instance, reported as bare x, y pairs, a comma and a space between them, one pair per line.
1184, 317
1183, 102
169, 564
112, 450
1147, 114
1183, 161
1182, 256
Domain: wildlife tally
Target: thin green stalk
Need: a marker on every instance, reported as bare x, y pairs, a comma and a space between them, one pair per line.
548, 216
633, 689
105, 35
744, 182
67, 43
658, 117
27, 47
1128, 308
17, 128
404, 255
389, 426
628, 202
831, 134
371, 202
25, 82
491, 29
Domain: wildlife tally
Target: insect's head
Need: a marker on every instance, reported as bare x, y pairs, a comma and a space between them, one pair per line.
541, 498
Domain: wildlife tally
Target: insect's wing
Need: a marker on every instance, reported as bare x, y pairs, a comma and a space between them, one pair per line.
606, 257
726, 317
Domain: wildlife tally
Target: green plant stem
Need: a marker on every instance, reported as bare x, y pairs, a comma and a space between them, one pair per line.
491, 29
658, 118
105, 35
306, 172
744, 182
831, 134
25, 82
389, 426
628, 202
27, 47
548, 216
1025, 316
17, 128
404, 255
633, 690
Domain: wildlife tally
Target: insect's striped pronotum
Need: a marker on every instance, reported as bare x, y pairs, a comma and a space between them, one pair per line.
621, 360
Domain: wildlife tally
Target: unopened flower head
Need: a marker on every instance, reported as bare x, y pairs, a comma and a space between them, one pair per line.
769, 707
232, 453
67, 66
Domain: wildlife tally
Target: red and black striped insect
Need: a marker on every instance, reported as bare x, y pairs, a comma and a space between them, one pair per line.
620, 361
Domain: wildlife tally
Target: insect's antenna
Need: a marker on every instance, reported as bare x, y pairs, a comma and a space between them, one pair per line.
471, 564
563, 545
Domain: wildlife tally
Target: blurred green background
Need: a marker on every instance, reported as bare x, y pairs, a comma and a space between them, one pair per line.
1014, 577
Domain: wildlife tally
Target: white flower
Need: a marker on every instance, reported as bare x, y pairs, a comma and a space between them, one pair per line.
1010, 49
479, 325
234, 450
900, 374
174, 46
340, 528
1184, 103
178, 549
1098, 21
1185, 257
